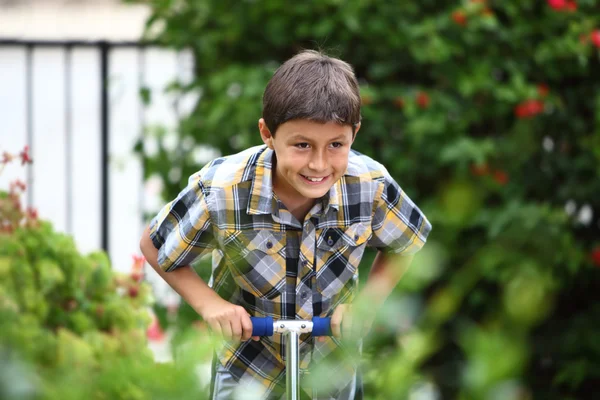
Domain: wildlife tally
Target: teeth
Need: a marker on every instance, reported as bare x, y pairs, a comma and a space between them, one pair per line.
314, 179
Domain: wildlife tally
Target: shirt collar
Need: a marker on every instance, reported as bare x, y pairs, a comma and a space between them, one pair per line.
333, 199
261, 191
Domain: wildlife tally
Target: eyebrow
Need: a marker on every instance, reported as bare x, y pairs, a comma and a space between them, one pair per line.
305, 139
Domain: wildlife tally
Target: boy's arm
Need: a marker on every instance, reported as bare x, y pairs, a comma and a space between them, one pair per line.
386, 272
355, 320
220, 314
184, 280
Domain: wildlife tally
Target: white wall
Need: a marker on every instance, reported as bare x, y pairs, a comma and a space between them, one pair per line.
129, 195
75, 19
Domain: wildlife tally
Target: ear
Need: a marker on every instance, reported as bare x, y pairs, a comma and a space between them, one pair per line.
265, 133
355, 132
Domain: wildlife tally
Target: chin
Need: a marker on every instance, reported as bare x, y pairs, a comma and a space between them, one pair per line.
314, 194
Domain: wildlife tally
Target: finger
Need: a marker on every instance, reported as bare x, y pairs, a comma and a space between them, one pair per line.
336, 322
215, 327
236, 329
246, 327
226, 328
348, 325
256, 338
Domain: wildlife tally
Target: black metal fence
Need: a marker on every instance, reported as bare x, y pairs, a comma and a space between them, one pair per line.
104, 49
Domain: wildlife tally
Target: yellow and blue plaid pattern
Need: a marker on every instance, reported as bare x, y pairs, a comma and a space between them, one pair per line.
272, 264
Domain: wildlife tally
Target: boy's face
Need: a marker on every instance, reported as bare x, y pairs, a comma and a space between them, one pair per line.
311, 157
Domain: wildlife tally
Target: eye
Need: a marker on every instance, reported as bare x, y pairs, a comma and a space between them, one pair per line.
302, 145
337, 145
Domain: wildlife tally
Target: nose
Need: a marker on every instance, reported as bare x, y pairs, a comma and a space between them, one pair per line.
318, 161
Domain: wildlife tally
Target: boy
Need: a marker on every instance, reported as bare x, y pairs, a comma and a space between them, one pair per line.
288, 223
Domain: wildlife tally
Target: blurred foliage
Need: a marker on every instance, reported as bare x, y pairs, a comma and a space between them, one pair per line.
71, 327
488, 115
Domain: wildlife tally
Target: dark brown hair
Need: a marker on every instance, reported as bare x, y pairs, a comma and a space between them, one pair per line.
315, 87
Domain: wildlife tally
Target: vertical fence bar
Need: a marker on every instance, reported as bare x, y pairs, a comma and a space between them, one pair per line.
142, 119
104, 144
68, 139
141, 62
29, 116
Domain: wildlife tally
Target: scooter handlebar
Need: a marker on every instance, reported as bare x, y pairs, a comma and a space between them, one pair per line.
264, 326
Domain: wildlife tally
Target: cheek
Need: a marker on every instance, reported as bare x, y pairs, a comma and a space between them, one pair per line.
340, 164
289, 167
295, 161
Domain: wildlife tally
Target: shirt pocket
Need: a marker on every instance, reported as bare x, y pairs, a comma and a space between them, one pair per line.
257, 260
339, 251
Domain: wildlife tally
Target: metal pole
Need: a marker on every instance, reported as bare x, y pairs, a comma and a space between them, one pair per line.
291, 366
104, 144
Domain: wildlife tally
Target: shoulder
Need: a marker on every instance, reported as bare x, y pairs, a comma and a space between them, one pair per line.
365, 168
229, 170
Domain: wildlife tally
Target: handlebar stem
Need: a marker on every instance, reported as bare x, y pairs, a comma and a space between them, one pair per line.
296, 326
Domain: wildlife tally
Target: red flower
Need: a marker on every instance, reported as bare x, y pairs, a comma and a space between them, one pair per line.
557, 4
133, 291
138, 262
32, 213
501, 177
595, 37
562, 5
423, 99
596, 256
18, 184
543, 89
25, 157
529, 108
154, 331
459, 18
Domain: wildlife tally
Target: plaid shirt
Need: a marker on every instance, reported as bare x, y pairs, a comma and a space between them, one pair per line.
274, 265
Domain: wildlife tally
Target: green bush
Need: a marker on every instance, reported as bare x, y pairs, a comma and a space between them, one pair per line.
71, 327
488, 115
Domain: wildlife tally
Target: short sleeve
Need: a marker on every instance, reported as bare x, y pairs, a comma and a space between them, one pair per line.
398, 225
181, 231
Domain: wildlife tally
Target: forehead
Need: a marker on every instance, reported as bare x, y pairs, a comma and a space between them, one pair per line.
313, 131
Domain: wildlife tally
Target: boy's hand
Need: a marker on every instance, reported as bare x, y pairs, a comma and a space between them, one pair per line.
228, 320
348, 324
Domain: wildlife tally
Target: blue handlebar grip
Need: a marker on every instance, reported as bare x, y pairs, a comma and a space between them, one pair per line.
262, 326
321, 326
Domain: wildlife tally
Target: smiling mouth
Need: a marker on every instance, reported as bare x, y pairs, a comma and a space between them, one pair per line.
314, 179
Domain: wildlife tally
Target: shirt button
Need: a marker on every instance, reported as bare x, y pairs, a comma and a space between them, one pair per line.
356, 237
304, 295
330, 242
269, 245
304, 263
